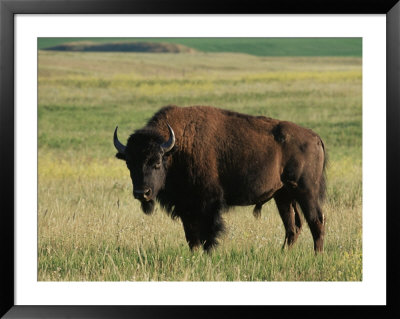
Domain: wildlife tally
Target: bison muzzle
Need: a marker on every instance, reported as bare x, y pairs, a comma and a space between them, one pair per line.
199, 161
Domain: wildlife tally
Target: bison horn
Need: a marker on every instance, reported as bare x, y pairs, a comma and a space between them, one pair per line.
118, 145
168, 145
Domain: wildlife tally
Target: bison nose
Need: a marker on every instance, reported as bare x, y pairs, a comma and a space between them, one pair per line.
142, 194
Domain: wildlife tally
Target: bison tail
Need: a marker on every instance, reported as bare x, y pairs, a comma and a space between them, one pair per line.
322, 183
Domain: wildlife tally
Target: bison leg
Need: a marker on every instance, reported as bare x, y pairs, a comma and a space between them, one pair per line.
203, 231
290, 216
315, 219
191, 228
211, 227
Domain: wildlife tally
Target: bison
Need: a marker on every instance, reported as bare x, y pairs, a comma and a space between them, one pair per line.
198, 161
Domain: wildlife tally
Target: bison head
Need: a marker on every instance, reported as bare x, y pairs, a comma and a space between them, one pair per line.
146, 155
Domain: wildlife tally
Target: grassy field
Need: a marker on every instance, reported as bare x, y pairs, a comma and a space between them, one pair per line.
90, 227
254, 46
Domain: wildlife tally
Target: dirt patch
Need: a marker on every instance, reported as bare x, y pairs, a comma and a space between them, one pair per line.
154, 47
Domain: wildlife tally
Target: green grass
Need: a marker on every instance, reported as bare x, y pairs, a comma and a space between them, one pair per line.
90, 227
254, 46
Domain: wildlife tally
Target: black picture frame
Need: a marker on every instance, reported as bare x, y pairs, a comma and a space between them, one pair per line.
8, 10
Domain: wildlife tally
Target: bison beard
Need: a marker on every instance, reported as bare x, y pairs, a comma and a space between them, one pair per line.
199, 161
148, 207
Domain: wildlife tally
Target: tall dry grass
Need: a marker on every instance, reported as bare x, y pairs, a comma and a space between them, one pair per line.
89, 226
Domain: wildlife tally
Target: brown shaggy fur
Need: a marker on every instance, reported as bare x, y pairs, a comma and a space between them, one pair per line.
223, 158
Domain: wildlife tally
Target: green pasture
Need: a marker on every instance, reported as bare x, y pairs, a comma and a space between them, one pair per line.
254, 46
91, 229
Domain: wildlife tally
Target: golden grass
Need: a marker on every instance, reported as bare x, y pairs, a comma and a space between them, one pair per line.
91, 228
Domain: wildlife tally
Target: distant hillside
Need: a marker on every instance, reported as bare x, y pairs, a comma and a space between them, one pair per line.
90, 46
254, 46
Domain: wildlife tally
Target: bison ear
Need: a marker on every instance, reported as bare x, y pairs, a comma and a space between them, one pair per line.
120, 156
